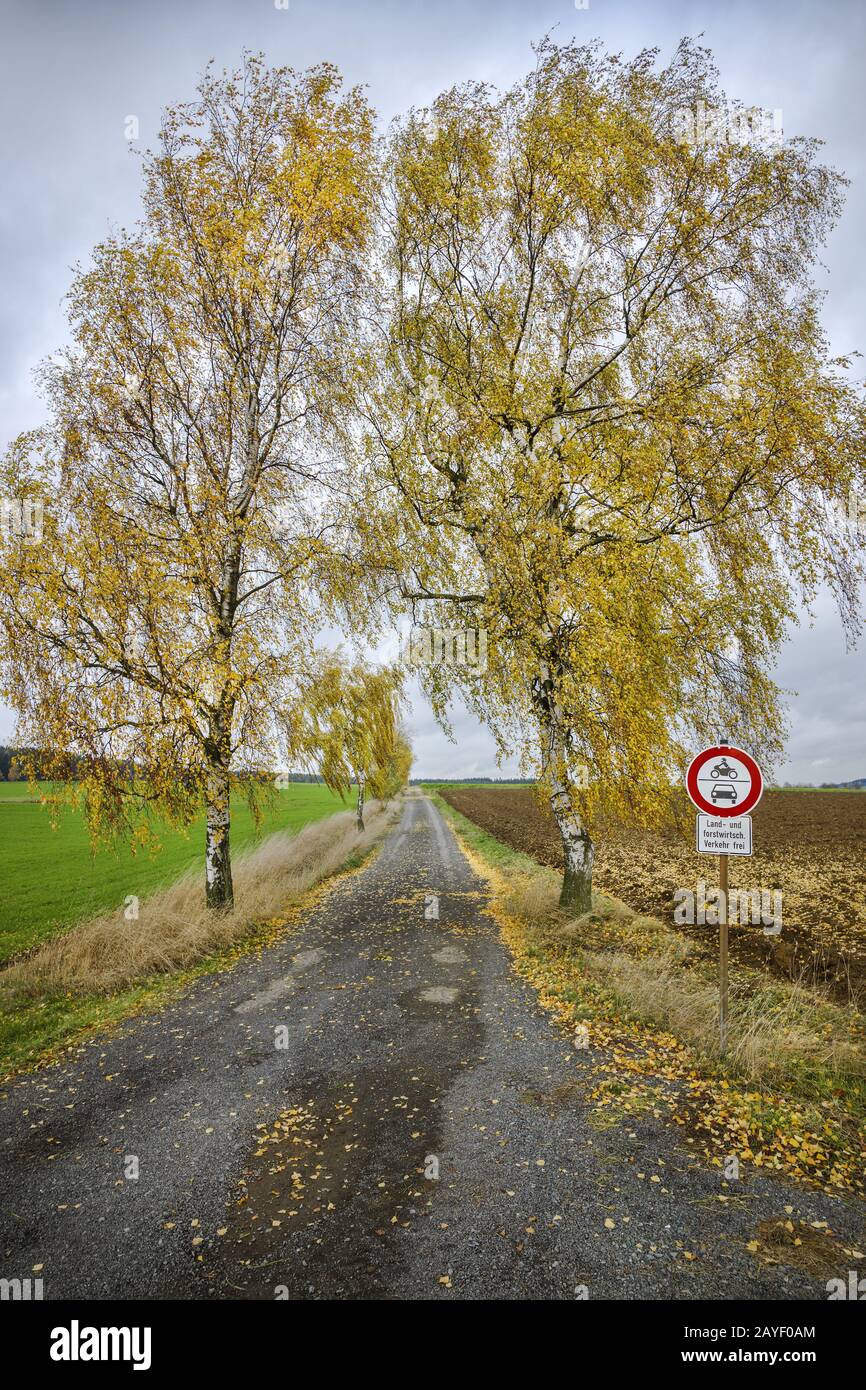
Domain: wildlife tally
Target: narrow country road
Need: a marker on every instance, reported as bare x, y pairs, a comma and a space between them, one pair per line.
376, 1107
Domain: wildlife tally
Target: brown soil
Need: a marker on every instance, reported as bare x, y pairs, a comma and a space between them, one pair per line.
811, 845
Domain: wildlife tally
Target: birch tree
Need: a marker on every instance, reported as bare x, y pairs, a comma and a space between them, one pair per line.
158, 635
608, 420
347, 724
398, 765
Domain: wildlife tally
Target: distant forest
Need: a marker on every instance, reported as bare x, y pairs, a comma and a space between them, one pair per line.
473, 781
859, 783
15, 766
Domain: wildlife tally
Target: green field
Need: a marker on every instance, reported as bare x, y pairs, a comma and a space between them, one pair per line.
50, 879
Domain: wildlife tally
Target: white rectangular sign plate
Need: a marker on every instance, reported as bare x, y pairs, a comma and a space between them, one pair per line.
723, 834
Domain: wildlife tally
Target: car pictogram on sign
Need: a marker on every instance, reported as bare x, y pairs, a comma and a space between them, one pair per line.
724, 792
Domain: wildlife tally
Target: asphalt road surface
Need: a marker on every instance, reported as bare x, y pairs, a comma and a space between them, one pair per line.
376, 1107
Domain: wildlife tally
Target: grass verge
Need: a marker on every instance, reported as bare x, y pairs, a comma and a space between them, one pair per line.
790, 1093
53, 877
101, 971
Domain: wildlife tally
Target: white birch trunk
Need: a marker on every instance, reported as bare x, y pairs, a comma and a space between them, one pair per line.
577, 847
219, 892
576, 895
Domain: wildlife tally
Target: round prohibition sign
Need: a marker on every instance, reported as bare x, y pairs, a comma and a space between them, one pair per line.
724, 781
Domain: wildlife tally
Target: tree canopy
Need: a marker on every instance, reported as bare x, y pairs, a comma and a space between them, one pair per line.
608, 416
194, 543
348, 723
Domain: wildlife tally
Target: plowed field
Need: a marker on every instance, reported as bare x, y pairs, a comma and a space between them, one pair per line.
811, 845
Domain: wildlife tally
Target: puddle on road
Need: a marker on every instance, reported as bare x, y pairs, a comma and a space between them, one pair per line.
338, 1177
332, 1183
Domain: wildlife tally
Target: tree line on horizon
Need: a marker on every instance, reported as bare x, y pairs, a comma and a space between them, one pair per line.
23, 764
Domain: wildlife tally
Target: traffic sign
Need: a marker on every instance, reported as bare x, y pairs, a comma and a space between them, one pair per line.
723, 835
724, 782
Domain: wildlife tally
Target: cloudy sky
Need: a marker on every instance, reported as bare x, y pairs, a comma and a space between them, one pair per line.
73, 71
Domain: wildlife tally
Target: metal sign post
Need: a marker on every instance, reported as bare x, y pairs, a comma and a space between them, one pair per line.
723, 953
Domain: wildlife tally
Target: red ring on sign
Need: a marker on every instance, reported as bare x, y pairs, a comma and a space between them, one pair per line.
755, 791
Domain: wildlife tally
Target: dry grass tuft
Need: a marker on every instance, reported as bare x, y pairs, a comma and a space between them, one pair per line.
174, 928
772, 1028
799, 1245
534, 900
